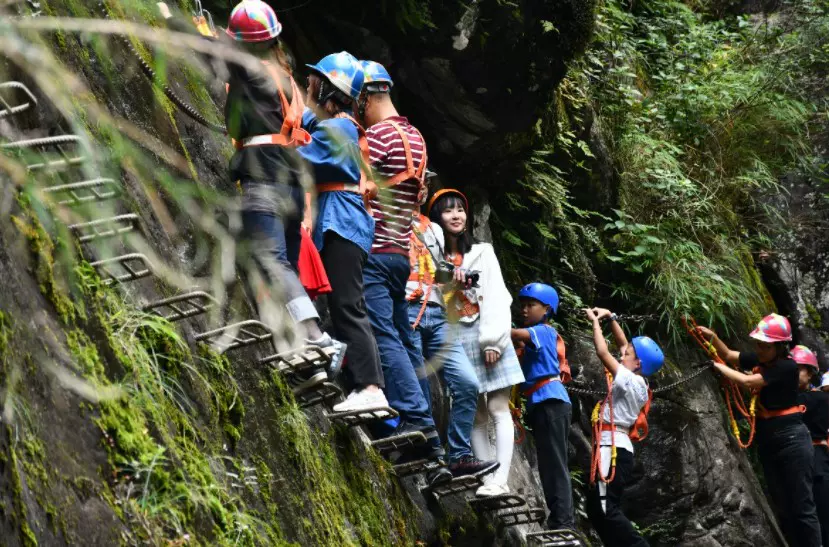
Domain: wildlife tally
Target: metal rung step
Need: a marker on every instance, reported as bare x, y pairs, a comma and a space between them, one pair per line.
10, 110
415, 467
301, 359
105, 227
517, 517
356, 418
100, 189
399, 442
57, 141
237, 335
496, 503
555, 538
457, 485
182, 306
322, 393
110, 275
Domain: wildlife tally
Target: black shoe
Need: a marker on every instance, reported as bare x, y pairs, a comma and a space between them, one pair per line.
437, 477
470, 465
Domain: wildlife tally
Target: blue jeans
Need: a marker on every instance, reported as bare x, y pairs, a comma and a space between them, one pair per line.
384, 279
448, 356
271, 224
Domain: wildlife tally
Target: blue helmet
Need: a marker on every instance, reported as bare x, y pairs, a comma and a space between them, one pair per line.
543, 293
377, 78
649, 354
344, 72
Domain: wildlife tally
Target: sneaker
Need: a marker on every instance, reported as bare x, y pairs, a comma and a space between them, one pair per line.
470, 465
439, 476
492, 489
362, 400
313, 381
337, 358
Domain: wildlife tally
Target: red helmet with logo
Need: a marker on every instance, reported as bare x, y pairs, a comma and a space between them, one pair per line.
804, 356
253, 21
773, 328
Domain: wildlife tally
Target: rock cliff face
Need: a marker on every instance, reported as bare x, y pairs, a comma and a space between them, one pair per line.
121, 429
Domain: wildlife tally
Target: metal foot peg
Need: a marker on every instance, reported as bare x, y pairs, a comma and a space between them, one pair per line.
321, 393
355, 418
105, 227
555, 538
415, 467
122, 269
302, 359
182, 306
8, 109
497, 503
67, 160
457, 485
399, 442
85, 191
517, 517
237, 335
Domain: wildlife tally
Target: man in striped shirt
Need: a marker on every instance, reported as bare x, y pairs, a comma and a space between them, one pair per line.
398, 157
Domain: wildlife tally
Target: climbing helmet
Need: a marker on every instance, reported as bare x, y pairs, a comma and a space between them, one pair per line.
649, 354
253, 21
344, 72
804, 356
377, 78
773, 328
545, 294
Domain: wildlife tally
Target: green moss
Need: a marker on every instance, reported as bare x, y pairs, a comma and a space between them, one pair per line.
813, 318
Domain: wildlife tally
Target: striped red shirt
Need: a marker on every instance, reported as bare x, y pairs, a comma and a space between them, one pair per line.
394, 206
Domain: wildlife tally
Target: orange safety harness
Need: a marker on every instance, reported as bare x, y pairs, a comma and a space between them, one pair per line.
291, 134
366, 187
422, 266
411, 172
733, 395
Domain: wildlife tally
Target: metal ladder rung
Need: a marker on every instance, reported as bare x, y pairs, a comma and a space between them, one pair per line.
399, 442
301, 359
109, 276
414, 468
237, 335
12, 110
517, 517
323, 393
457, 485
182, 306
497, 503
58, 141
356, 418
105, 227
555, 538
99, 189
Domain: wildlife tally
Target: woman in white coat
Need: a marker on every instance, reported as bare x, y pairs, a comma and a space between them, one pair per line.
482, 319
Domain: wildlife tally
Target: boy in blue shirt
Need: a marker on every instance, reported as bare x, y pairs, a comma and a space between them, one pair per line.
547, 403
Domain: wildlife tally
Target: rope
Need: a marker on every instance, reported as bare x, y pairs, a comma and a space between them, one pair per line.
169, 93
596, 418
733, 394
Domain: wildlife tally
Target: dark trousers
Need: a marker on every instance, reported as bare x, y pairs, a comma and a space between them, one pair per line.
820, 490
787, 457
550, 421
385, 278
344, 261
610, 523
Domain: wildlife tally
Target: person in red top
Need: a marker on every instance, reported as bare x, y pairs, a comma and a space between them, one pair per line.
397, 154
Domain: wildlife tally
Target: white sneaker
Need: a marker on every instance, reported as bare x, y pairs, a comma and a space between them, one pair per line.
492, 489
310, 383
362, 400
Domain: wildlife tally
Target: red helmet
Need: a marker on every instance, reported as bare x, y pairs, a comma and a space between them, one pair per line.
804, 356
253, 21
773, 328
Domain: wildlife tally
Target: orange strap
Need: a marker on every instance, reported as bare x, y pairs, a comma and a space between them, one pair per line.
364, 186
823, 442
539, 384
617, 428
410, 172
291, 133
764, 414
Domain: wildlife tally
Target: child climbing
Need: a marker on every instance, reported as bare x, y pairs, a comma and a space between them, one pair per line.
430, 336
628, 394
548, 406
263, 114
481, 317
397, 154
344, 228
816, 419
783, 441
